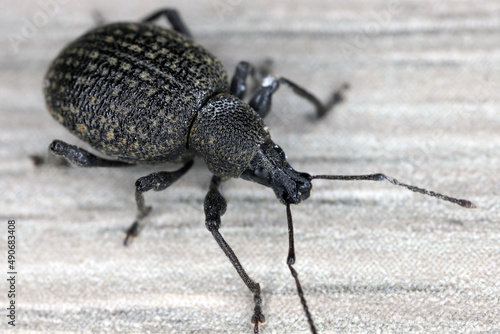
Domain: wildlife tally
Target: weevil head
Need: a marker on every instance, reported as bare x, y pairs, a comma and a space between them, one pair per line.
270, 168
234, 142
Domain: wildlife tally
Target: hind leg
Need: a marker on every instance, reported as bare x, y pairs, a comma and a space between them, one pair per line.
173, 17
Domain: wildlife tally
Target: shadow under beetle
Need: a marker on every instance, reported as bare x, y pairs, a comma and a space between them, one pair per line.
143, 94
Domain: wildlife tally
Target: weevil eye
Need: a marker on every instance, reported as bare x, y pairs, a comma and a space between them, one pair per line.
280, 152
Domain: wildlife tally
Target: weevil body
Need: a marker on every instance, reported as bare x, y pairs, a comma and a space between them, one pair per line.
142, 94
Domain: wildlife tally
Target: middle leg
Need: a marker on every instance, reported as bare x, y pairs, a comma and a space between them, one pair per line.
243, 71
157, 181
262, 98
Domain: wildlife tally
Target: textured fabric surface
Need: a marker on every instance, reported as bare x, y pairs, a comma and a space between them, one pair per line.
372, 258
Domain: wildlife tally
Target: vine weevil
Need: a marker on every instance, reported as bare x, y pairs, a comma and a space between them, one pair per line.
142, 94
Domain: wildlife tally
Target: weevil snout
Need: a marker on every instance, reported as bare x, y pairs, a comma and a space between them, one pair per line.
295, 189
270, 168
305, 188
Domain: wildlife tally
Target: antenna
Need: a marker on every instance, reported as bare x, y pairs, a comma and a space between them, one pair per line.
380, 177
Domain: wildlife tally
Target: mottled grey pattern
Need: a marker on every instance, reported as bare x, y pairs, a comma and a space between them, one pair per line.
132, 90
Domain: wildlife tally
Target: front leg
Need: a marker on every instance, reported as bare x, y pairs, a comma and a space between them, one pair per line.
215, 206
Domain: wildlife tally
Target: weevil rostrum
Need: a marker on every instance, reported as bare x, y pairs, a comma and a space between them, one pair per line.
142, 94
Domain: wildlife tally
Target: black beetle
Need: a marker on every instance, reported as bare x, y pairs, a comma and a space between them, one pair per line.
143, 94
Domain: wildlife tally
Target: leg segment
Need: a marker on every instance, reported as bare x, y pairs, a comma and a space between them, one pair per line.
238, 84
243, 70
215, 206
157, 181
173, 17
261, 101
82, 158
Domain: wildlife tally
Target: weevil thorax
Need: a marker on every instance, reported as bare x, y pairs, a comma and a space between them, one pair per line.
227, 133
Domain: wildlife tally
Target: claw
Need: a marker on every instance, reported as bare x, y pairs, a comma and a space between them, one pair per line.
132, 231
257, 318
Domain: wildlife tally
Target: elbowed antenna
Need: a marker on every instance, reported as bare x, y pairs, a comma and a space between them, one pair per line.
380, 177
